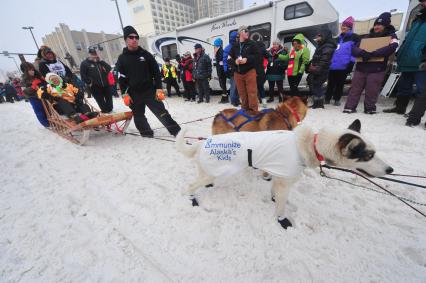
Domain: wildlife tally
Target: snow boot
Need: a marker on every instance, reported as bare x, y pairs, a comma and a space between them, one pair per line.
401, 104
224, 99
319, 103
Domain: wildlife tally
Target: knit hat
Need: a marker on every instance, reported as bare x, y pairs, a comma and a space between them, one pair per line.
384, 19
349, 22
218, 42
92, 51
276, 41
196, 46
127, 30
241, 28
187, 53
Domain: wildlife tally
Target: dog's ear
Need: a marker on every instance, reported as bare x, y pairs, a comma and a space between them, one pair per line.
351, 146
355, 126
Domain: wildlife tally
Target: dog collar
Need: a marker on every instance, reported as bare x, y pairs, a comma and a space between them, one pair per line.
294, 112
318, 155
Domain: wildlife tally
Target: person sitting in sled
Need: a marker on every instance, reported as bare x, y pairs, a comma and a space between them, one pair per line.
66, 99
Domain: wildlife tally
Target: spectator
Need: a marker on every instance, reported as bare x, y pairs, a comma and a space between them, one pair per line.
32, 80
50, 64
245, 54
411, 59
2, 93
202, 73
170, 76
94, 72
186, 65
276, 70
262, 62
218, 53
319, 66
230, 68
370, 75
17, 85
342, 62
10, 91
297, 60
140, 84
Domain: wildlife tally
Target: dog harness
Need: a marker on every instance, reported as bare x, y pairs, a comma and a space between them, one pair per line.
272, 151
249, 118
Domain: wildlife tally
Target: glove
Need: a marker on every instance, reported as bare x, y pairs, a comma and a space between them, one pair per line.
366, 56
42, 94
160, 95
422, 66
127, 100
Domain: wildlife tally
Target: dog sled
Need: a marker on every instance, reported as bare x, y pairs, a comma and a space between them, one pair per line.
80, 133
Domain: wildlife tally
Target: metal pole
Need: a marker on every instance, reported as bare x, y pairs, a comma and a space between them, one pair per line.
119, 15
35, 41
16, 64
30, 28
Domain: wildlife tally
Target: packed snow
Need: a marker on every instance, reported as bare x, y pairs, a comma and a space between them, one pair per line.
114, 210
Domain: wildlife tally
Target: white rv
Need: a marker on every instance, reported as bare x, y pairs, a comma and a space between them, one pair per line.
281, 19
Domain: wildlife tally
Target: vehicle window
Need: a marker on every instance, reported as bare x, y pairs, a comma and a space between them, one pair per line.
412, 17
262, 33
169, 51
296, 11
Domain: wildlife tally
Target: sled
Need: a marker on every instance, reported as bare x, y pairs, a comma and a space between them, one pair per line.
79, 133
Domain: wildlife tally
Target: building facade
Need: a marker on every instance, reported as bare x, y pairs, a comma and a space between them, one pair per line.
72, 46
151, 17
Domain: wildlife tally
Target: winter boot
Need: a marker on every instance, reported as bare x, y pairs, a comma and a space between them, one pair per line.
401, 104
319, 103
264, 105
223, 99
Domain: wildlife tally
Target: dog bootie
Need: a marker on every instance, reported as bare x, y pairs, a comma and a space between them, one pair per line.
285, 223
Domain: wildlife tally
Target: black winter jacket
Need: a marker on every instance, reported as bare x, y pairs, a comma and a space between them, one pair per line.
247, 49
321, 60
139, 72
202, 68
95, 73
219, 58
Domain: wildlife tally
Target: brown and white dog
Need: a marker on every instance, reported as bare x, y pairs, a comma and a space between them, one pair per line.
286, 116
342, 148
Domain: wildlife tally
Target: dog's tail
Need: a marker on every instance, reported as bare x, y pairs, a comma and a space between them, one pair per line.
181, 146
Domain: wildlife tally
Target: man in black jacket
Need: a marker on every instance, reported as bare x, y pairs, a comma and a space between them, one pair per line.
320, 66
202, 73
140, 82
94, 72
50, 64
245, 54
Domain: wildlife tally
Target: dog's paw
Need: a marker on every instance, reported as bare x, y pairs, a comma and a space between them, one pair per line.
285, 223
194, 202
209, 186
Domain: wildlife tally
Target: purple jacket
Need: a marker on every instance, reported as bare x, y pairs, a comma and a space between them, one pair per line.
375, 67
343, 55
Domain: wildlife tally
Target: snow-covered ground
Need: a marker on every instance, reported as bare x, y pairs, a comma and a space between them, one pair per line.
113, 210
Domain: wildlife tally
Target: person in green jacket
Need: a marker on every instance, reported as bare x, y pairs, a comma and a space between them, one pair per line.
297, 60
413, 70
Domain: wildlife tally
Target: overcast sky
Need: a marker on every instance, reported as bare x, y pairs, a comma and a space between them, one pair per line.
101, 15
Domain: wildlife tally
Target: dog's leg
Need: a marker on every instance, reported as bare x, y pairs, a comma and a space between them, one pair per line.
202, 180
281, 190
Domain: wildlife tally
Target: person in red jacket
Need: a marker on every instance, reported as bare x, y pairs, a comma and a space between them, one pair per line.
188, 83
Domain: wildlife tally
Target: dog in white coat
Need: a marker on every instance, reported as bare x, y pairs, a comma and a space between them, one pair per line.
283, 154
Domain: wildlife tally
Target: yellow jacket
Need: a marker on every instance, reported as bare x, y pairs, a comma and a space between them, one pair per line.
68, 93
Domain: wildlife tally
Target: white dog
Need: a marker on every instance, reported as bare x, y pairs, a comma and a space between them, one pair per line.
283, 154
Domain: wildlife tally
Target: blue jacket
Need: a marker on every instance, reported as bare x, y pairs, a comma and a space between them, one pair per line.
227, 49
414, 47
342, 57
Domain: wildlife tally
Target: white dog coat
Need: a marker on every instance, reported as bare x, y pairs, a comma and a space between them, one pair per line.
272, 151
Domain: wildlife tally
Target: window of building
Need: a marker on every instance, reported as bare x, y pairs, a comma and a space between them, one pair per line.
169, 51
296, 11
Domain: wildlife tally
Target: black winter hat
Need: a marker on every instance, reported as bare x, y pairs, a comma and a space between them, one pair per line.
384, 19
129, 30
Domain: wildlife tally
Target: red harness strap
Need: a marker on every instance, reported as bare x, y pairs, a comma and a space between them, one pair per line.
294, 112
318, 155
